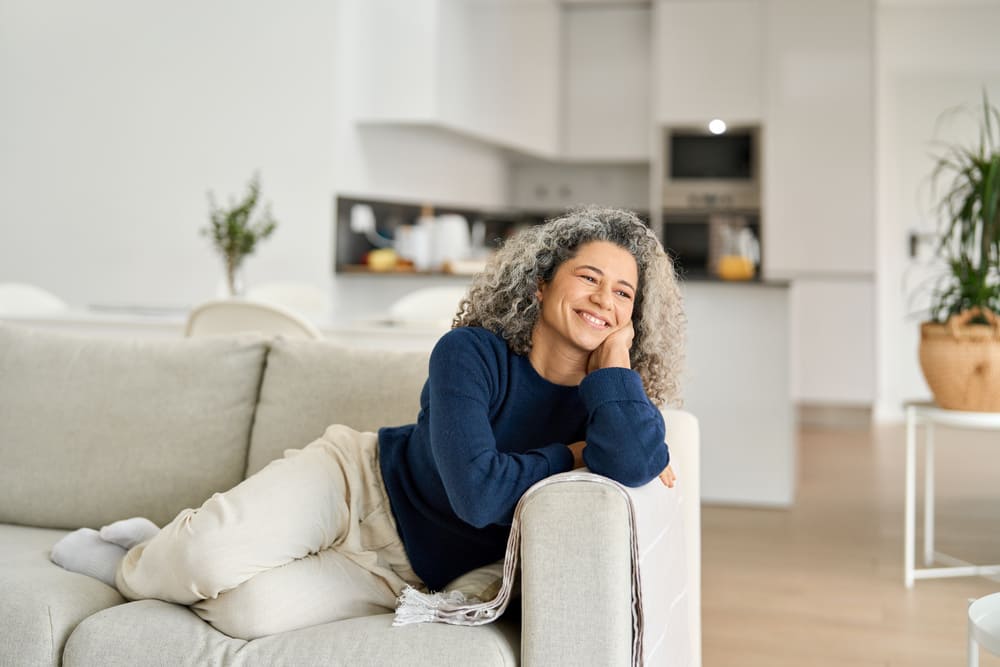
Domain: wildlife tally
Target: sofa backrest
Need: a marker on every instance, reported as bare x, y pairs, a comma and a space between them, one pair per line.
309, 385
94, 430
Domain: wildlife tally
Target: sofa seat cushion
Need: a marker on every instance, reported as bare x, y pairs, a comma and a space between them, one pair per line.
155, 632
93, 430
41, 603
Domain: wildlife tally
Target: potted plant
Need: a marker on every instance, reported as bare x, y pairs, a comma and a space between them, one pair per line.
235, 233
960, 346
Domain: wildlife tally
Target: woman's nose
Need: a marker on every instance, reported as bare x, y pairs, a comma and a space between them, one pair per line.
602, 297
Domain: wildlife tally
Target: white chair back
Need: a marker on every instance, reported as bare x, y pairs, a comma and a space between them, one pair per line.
226, 316
24, 299
428, 306
309, 300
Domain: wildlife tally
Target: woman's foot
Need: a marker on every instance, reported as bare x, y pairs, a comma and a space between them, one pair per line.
97, 554
129, 532
85, 552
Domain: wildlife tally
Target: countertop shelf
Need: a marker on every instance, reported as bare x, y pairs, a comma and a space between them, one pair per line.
399, 270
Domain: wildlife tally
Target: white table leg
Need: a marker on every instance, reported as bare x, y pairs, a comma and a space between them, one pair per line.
910, 501
929, 493
973, 646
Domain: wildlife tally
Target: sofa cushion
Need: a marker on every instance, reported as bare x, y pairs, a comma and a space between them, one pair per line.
94, 430
309, 385
41, 602
152, 631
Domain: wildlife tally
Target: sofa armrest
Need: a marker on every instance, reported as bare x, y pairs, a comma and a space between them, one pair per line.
576, 565
576, 576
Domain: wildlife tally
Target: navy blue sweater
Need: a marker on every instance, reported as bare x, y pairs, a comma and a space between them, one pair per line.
489, 427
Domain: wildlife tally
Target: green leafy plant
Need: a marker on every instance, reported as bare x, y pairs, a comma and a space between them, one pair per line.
970, 212
234, 231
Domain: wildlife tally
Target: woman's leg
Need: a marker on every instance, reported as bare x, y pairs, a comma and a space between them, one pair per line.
310, 500
320, 588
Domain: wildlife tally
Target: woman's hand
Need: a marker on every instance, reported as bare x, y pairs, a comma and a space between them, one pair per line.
668, 477
613, 352
577, 449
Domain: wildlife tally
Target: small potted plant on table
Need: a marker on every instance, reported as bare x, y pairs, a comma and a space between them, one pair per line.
235, 233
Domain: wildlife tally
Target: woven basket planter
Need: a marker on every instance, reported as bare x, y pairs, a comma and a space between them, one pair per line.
961, 361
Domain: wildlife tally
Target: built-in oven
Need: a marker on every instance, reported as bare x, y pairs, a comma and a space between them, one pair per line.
700, 241
703, 170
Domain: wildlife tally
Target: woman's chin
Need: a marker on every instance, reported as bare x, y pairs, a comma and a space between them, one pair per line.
592, 340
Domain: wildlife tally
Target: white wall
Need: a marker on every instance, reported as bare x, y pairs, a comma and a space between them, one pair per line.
930, 58
116, 119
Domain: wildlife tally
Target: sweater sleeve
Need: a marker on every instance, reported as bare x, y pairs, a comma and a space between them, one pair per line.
483, 484
625, 430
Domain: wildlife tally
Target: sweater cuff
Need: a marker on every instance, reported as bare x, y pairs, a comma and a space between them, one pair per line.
559, 457
607, 385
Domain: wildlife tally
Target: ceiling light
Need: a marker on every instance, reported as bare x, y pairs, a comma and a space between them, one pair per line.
716, 126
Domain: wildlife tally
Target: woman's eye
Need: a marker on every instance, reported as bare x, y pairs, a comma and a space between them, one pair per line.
624, 294
590, 279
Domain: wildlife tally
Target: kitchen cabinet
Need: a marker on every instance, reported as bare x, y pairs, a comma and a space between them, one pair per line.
487, 70
606, 74
708, 58
833, 341
544, 186
819, 190
819, 148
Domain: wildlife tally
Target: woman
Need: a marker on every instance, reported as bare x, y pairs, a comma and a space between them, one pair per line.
558, 357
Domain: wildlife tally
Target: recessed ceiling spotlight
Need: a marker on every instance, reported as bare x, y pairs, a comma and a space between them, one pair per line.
716, 126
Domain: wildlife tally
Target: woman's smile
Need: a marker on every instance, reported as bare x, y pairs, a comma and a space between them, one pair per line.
593, 320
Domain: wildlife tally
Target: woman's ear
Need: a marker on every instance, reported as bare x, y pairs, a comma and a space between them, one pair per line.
540, 291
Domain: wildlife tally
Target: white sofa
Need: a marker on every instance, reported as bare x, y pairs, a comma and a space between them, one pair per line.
94, 430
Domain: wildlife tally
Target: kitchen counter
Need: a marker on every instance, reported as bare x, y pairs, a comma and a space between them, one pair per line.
706, 277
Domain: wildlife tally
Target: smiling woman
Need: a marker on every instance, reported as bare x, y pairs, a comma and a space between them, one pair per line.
557, 359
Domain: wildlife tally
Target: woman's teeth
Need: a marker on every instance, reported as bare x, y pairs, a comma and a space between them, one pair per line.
593, 320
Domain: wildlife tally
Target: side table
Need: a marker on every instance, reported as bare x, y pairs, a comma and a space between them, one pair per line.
928, 415
984, 627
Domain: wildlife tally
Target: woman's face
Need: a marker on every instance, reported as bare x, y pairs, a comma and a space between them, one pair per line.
590, 296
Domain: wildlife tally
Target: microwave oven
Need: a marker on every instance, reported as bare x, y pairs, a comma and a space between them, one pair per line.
712, 171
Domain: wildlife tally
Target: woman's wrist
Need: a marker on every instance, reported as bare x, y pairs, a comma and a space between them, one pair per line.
601, 358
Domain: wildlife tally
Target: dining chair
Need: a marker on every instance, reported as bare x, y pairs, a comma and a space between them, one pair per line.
25, 299
225, 316
428, 305
305, 298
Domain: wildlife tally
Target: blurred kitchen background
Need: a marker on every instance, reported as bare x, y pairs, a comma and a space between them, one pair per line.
398, 141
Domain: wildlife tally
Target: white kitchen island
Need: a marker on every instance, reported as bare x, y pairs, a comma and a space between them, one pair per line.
736, 382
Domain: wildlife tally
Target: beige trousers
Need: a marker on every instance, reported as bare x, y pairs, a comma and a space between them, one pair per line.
309, 539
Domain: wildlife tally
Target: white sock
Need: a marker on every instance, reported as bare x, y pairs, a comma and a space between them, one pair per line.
85, 552
129, 532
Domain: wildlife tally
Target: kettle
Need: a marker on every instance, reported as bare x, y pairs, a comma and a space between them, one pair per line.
450, 240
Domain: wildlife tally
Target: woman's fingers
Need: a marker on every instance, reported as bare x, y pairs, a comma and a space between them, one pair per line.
668, 477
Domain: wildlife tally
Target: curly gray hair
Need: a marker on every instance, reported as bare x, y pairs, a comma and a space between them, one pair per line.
503, 297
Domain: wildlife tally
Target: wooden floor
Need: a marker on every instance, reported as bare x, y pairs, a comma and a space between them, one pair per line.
822, 584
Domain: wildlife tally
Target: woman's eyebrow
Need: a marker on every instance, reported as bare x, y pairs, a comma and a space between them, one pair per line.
598, 271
